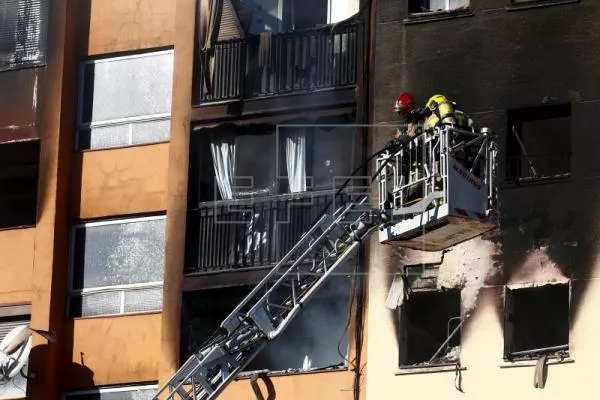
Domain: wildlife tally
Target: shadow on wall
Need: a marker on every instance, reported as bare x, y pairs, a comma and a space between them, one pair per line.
76, 373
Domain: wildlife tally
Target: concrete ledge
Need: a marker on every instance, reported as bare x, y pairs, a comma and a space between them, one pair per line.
435, 16
430, 369
538, 4
532, 363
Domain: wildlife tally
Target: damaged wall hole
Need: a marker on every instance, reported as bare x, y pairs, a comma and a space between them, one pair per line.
310, 343
536, 321
427, 320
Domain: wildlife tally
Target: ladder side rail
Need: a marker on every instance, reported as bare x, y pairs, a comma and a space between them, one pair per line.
315, 286
300, 259
260, 286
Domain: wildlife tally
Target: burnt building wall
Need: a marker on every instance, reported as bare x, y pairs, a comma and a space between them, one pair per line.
492, 59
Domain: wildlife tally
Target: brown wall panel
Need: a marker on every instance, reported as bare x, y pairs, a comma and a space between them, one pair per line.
120, 181
16, 264
112, 350
19, 103
123, 25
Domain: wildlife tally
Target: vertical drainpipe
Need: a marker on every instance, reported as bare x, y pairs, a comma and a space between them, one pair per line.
185, 16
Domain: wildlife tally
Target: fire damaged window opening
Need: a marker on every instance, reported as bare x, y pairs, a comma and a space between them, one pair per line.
19, 163
536, 321
430, 323
317, 339
23, 33
538, 145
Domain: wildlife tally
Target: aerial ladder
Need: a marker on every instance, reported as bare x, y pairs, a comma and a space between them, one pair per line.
435, 191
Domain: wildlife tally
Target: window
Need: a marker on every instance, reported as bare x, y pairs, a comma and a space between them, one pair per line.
426, 6
18, 183
23, 33
317, 338
427, 320
293, 159
125, 100
117, 266
11, 317
536, 321
539, 143
115, 393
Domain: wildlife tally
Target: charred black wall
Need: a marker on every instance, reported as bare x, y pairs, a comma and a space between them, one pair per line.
495, 59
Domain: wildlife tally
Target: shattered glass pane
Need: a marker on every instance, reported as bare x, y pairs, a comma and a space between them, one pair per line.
151, 131
91, 304
142, 394
119, 253
141, 300
127, 87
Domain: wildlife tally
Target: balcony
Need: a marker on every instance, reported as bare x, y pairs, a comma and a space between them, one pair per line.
296, 62
247, 233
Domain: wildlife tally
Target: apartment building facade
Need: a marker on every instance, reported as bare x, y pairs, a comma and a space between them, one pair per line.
521, 299
124, 234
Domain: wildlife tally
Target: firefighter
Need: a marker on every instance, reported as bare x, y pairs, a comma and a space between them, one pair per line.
412, 115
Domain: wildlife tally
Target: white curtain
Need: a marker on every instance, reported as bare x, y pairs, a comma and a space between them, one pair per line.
223, 153
295, 157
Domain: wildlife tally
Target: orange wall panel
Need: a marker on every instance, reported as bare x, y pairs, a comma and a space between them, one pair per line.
113, 350
16, 264
121, 181
122, 25
315, 386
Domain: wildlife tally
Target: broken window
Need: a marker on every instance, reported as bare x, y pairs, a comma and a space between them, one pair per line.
18, 183
536, 321
146, 392
427, 320
10, 318
317, 338
117, 266
23, 33
125, 100
539, 143
426, 6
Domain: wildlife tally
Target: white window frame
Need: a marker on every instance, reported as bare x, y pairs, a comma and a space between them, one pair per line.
73, 292
117, 389
129, 121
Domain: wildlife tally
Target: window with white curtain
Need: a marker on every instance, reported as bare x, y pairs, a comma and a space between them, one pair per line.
145, 392
125, 100
10, 318
117, 266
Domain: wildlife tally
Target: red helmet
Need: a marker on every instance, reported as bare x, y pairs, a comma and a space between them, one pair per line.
405, 103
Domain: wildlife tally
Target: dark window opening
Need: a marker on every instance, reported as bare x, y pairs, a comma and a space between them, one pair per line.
426, 6
536, 321
18, 183
310, 342
23, 33
428, 318
539, 143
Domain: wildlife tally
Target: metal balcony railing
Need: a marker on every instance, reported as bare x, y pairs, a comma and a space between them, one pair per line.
232, 234
274, 64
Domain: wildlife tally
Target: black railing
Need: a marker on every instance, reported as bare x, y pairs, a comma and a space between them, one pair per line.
250, 233
267, 65
535, 167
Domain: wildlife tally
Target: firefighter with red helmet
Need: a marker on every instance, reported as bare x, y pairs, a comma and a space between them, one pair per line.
413, 116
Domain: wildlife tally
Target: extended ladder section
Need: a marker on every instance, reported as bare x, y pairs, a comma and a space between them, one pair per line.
439, 189
273, 303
